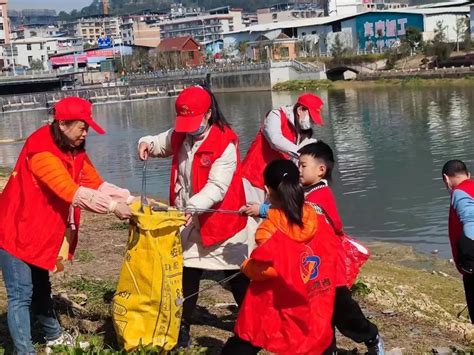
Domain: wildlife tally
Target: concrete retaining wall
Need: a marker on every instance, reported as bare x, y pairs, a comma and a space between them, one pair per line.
258, 80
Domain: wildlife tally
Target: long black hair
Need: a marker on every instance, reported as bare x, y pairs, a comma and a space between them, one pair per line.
283, 177
217, 117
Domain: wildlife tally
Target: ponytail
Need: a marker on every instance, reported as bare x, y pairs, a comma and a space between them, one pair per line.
282, 176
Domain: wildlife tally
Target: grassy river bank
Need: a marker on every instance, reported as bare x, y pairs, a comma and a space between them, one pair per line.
308, 85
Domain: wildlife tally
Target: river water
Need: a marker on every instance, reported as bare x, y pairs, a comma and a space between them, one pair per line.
390, 144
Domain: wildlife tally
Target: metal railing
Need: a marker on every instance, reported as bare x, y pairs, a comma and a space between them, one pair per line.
32, 74
200, 71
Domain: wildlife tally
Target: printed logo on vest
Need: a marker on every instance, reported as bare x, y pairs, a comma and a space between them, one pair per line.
309, 265
206, 161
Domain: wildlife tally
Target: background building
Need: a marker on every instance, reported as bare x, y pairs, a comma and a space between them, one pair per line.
204, 28
20, 18
22, 52
140, 31
180, 51
288, 12
4, 24
40, 31
91, 29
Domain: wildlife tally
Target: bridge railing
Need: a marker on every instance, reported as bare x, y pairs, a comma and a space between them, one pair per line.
32, 74
202, 70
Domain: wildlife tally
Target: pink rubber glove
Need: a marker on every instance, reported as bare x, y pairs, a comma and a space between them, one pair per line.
116, 193
122, 211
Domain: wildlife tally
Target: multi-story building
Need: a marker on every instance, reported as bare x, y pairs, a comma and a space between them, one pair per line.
40, 31
4, 24
91, 29
204, 28
352, 7
24, 51
249, 19
20, 18
288, 12
64, 45
140, 31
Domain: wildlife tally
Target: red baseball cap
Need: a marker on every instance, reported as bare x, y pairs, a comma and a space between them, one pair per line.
191, 105
76, 108
314, 104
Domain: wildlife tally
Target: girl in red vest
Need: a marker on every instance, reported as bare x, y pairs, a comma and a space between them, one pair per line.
316, 163
283, 132
289, 304
205, 174
52, 180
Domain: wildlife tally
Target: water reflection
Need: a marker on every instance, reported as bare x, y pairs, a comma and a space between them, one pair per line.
390, 144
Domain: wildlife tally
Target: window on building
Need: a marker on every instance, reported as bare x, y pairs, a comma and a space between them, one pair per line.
2, 41
313, 32
190, 55
30, 59
28, 47
42, 58
336, 26
41, 46
1, 26
84, 31
284, 52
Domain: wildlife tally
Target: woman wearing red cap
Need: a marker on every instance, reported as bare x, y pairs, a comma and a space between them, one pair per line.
205, 174
283, 132
39, 217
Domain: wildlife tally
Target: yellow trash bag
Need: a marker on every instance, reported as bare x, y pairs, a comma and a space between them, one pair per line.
146, 310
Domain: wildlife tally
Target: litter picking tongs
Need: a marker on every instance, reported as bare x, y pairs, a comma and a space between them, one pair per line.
180, 300
143, 200
162, 208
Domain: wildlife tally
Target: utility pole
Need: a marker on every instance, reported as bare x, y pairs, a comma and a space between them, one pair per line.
13, 58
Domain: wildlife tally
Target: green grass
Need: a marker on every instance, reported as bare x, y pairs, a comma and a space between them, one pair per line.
296, 85
360, 289
95, 289
117, 226
84, 256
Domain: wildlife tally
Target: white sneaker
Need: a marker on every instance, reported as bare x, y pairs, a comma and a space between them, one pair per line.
65, 339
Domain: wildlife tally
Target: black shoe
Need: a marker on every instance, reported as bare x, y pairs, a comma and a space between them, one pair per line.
184, 338
375, 346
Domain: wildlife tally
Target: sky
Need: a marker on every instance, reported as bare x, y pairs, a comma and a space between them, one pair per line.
57, 5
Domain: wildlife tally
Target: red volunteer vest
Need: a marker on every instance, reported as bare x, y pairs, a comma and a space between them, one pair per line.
324, 198
261, 153
292, 314
455, 227
215, 227
33, 219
